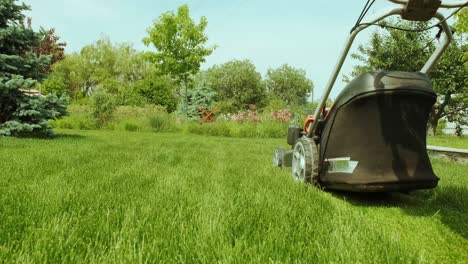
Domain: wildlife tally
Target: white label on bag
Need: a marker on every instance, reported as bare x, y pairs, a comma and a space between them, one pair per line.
341, 165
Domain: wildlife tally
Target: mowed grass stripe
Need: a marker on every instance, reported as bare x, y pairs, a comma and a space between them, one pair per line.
136, 197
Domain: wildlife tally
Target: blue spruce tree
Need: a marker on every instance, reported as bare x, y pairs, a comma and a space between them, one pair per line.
23, 113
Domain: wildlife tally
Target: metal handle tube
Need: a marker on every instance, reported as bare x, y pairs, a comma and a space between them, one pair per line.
400, 2
445, 5
442, 47
453, 5
336, 70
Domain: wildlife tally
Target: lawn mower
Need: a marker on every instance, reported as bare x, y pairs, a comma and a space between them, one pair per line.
373, 138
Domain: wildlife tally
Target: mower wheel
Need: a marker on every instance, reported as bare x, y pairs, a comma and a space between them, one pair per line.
305, 161
278, 157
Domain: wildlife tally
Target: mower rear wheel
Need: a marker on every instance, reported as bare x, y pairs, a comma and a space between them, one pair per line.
305, 161
278, 157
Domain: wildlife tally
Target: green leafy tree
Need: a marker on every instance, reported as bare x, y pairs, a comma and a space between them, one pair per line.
101, 65
394, 50
113, 67
289, 84
409, 51
180, 45
462, 28
22, 112
462, 21
239, 82
449, 80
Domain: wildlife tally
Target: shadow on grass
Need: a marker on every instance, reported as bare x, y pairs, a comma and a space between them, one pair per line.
448, 202
70, 136
53, 137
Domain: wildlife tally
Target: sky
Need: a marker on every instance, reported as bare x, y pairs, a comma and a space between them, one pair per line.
307, 34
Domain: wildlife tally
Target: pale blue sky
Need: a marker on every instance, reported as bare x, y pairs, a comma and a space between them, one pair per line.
303, 33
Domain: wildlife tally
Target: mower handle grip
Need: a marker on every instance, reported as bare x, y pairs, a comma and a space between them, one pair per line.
445, 5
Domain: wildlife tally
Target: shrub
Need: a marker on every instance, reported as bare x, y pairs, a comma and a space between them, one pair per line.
75, 122
210, 129
225, 107
162, 122
200, 96
131, 97
275, 129
247, 131
123, 113
281, 115
441, 126
129, 126
458, 130
54, 85
154, 118
219, 129
275, 104
158, 90
86, 123
194, 128
103, 107
244, 116
32, 114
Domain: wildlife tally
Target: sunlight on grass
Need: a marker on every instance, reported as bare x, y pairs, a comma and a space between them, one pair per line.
448, 141
94, 196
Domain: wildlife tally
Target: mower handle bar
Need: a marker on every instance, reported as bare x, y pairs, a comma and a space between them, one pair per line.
391, 12
445, 5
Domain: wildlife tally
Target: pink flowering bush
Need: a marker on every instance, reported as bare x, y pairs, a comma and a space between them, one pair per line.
281, 115
244, 116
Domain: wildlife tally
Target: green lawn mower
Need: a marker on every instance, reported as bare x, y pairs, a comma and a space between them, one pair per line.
373, 138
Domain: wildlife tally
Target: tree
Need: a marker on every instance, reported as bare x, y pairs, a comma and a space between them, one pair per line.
449, 77
22, 113
111, 66
200, 97
180, 45
101, 65
394, 50
289, 84
462, 28
462, 21
50, 46
408, 51
237, 81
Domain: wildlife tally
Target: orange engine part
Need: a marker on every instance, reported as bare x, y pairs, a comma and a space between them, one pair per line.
309, 119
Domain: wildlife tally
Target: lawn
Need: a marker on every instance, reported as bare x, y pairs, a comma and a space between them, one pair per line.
449, 141
106, 197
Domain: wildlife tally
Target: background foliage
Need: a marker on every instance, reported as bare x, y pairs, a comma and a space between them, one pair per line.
170, 75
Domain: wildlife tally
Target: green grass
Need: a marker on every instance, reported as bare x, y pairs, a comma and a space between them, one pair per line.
449, 141
106, 197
